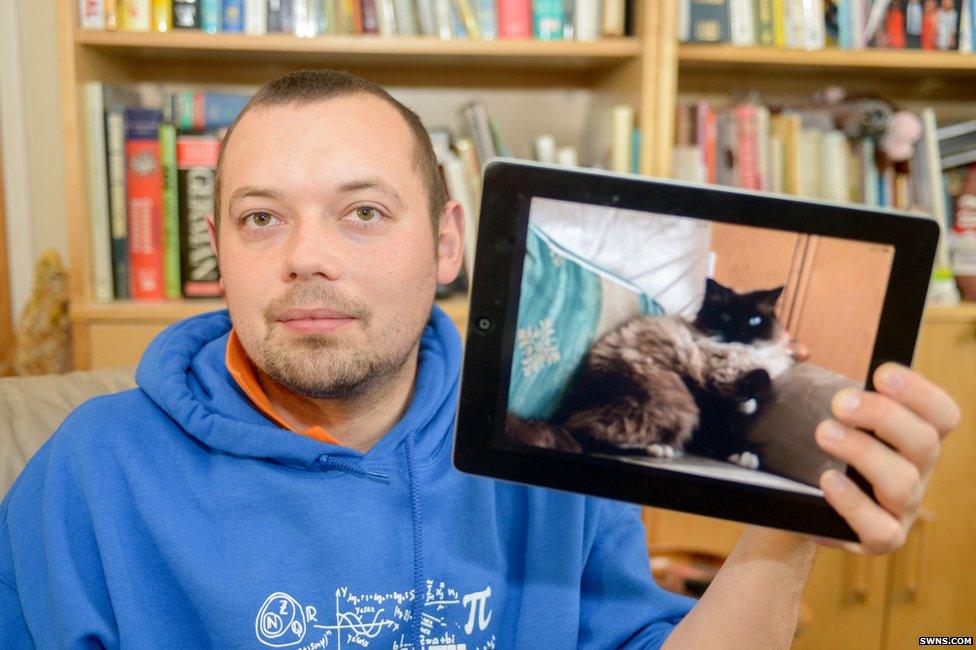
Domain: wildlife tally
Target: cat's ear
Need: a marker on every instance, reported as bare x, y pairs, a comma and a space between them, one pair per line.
715, 290
769, 297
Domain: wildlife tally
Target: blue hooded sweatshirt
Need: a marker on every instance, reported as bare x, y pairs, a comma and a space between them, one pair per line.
175, 515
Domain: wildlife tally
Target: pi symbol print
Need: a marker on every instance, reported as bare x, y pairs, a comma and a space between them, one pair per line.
280, 621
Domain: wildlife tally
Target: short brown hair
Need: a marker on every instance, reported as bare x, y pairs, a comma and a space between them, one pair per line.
308, 86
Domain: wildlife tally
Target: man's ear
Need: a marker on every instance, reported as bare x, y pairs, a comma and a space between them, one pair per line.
450, 242
212, 232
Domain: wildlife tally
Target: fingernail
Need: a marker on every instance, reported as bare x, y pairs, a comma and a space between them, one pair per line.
848, 401
832, 431
892, 378
836, 482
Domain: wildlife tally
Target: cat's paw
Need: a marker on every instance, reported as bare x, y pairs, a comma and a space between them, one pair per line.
749, 406
662, 451
746, 459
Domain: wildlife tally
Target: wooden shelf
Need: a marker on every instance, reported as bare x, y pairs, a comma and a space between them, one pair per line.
829, 61
964, 312
192, 45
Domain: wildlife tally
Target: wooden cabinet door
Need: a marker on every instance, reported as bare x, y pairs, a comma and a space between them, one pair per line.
933, 591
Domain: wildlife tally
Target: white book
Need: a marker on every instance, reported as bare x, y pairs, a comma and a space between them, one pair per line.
101, 238
256, 17
794, 23
443, 20
621, 132
858, 14
137, 15
684, 21
686, 164
815, 32
834, 167
386, 18
426, 20
91, 14
965, 28
743, 22
303, 18
405, 15
933, 168
776, 157
586, 20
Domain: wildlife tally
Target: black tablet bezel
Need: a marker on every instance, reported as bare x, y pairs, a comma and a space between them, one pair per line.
509, 187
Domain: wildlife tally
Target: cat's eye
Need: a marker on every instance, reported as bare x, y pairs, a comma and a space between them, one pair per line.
755, 321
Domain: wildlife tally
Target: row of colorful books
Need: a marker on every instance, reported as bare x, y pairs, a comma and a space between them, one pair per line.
445, 19
947, 25
799, 151
151, 162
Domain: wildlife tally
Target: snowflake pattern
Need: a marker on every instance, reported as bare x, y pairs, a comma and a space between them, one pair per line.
556, 259
538, 347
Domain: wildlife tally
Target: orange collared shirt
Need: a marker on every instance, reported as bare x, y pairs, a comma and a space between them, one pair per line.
242, 370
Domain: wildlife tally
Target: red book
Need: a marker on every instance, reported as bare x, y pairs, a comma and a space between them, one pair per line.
370, 21
709, 143
515, 18
144, 203
748, 146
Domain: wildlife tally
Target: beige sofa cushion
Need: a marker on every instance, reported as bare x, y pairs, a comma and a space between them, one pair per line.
31, 408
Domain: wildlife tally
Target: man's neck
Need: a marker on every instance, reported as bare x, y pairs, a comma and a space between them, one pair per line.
355, 422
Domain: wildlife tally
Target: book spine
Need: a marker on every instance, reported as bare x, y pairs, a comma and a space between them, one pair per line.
171, 216
273, 10
779, 23
386, 18
144, 182
470, 19
370, 20
621, 128
972, 21
256, 17
232, 16
586, 16
98, 210
186, 14
113, 15
741, 19
354, 9
569, 19
613, 17
547, 20
119, 225
814, 33
765, 33
210, 11
137, 15
162, 15
330, 17
845, 23
488, 19
763, 149
710, 21
214, 111
405, 14
515, 18
91, 14
869, 173
196, 161
746, 146
426, 22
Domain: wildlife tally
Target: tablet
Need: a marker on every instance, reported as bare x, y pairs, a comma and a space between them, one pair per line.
674, 344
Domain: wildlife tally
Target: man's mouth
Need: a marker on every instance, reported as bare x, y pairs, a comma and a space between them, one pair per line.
314, 321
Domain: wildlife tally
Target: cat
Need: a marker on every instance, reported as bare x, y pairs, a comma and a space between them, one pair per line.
661, 385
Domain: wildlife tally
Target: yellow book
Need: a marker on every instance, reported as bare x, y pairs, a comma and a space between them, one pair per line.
468, 18
779, 23
162, 15
787, 129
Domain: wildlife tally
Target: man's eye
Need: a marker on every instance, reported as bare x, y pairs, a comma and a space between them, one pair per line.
258, 220
366, 214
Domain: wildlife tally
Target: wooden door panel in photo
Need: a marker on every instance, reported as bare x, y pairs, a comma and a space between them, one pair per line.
838, 302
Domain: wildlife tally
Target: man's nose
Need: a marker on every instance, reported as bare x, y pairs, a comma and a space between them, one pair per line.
313, 252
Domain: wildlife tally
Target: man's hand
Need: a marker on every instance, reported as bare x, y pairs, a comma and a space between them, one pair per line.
911, 415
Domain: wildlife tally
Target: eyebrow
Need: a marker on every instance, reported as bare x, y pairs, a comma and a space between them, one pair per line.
249, 191
373, 184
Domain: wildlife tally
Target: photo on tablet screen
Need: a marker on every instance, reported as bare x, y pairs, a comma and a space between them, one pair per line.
694, 346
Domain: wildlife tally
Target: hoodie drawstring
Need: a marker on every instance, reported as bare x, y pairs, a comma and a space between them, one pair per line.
418, 543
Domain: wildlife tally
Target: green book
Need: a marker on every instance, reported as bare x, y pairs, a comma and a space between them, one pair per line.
547, 20
171, 212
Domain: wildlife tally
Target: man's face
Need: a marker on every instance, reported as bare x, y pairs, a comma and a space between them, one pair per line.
328, 258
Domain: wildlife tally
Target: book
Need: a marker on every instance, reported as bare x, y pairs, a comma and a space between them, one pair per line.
613, 17
515, 18
279, 17
469, 18
144, 188
370, 23
171, 211
547, 20
586, 18
405, 17
488, 18
98, 202
206, 111
476, 126
742, 22
232, 16
621, 131
186, 14
210, 13
113, 15
137, 15
763, 13
196, 162
386, 18
118, 219
162, 15
426, 19
957, 144
256, 17
709, 21
91, 14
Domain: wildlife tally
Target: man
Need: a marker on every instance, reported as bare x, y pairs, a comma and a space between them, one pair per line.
282, 476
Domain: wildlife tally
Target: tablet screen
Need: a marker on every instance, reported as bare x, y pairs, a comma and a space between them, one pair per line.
692, 346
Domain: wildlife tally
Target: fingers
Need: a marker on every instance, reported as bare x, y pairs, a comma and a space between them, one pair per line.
913, 437
919, 395
878, 530
896, 482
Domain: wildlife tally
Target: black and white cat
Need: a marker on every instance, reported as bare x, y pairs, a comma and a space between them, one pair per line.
659, 385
